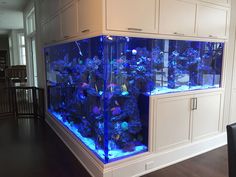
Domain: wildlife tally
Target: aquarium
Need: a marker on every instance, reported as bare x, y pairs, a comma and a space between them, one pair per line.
99, 88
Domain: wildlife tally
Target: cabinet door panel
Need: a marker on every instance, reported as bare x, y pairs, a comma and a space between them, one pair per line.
90, 15
132, 15
218, 1
65, 2
172, 122
52, 31
177, 17
206, 118
212, 21
69, 20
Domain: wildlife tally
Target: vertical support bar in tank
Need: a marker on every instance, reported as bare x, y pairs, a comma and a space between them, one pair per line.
105, 105
172, 66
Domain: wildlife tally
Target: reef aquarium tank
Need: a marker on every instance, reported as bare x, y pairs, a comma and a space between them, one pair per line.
99, 88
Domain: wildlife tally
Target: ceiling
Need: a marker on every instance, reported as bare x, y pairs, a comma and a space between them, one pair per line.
11, 15
13, 4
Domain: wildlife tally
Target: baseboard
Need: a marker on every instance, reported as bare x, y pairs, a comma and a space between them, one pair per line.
139, 165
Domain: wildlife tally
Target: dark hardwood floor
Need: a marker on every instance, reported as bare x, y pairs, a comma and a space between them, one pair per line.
30, 148
210, 164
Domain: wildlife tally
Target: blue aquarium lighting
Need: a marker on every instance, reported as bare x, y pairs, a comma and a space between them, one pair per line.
99, 88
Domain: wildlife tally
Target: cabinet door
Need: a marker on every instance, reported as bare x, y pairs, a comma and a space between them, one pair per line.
44, 36
54, 29
90, 16
218, 1
132, 15
212, 21
177, 17
51, 31
172, 122
65, 2
69, 21
207, 115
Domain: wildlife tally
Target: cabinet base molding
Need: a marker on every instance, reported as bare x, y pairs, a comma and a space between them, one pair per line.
138, 165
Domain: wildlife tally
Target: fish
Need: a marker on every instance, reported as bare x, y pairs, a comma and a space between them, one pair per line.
96, 110
116, 111
85, 85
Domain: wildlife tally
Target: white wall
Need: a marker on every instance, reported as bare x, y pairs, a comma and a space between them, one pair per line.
11, 19
230, 64
15, 58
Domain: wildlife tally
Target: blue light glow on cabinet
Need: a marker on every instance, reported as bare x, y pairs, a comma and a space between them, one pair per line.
99, 87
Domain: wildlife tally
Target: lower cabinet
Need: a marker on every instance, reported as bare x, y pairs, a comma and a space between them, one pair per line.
180, 120
172, 120
206, 115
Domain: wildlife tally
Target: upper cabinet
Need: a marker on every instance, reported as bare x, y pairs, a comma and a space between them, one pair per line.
48, 9
50, 33
65, 2
90, 16
222, 2
132, 15
69, 21
173, 18
177, 17
212, 21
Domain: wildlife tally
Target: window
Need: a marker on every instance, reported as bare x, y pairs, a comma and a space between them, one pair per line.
10, 50
22, 53
31, 46
30, 22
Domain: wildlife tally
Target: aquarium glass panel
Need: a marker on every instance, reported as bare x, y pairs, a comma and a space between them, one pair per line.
99, 88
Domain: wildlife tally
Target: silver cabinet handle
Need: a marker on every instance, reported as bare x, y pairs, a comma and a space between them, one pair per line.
196, 104
212, 36
180, 34
86, 31
192, 103
134, 29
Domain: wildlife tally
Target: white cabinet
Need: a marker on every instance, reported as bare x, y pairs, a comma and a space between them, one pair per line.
206, 115
212, 21
223, 2
90, 16
65, 2
48, 9
172, 120
52, 31
132, 15
177, 17
69, 21
183, 119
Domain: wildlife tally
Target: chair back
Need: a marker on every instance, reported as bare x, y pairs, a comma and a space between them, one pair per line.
231, 136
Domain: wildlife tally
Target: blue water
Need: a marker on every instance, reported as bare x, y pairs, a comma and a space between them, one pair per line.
90, 143
99, 87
